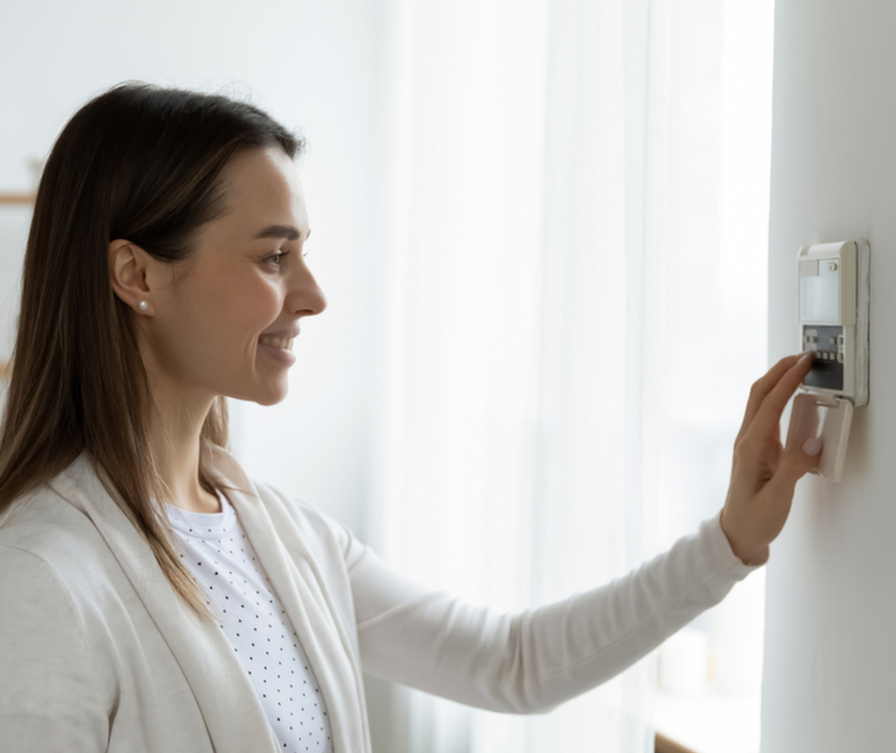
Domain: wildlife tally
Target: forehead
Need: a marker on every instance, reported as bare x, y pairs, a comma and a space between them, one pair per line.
262, 188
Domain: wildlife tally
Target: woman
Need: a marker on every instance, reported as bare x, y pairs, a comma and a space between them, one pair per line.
154, 598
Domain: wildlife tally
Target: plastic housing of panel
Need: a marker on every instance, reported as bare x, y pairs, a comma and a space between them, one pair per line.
844, 254
830, 420
854, 258
827, 413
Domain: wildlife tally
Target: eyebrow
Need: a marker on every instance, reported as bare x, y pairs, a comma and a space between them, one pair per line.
280, 231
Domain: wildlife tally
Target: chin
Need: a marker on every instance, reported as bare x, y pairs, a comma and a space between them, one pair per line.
274, 396
270, 400
264, 394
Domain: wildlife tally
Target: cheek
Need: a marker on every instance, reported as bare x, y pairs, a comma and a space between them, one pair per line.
254, 307
229, 314
238, 294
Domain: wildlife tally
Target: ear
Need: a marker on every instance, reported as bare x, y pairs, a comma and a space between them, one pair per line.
129, 273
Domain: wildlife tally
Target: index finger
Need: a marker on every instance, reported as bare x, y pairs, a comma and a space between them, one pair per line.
768, 417
762, 387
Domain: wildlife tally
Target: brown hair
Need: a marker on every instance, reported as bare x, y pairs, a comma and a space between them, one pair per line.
143, 163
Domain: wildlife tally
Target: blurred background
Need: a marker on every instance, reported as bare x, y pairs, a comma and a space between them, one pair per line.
541, 227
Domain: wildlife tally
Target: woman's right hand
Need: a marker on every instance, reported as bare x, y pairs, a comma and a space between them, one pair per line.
764, 474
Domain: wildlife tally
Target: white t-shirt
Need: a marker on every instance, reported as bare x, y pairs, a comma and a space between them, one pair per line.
216, 550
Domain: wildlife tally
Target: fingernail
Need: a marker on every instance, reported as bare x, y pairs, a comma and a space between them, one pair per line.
807, 354
812, 446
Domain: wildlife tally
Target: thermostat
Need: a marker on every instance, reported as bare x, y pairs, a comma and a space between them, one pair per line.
833, 296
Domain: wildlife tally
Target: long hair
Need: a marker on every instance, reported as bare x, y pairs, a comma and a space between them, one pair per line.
143, 163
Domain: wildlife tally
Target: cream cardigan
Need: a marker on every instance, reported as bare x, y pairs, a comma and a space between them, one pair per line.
98, 653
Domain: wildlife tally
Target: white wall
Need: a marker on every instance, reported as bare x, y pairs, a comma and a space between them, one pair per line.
830, 661
312, 64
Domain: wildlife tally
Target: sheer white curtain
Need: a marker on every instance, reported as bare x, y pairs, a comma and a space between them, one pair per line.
523, 307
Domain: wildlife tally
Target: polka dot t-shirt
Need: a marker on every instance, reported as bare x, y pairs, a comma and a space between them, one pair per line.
217, 551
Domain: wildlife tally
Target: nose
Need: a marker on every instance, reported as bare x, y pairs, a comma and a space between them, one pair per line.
305, 296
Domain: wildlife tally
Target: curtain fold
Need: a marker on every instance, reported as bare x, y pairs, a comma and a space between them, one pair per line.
523, 302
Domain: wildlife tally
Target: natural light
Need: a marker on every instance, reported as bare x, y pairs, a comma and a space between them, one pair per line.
547, 303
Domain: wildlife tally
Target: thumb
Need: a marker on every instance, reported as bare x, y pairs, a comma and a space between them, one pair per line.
812, 450
798, 462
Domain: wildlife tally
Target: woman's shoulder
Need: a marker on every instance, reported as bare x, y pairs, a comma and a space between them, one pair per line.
41, 518
313, 526
40, 525
301, 511
309, 520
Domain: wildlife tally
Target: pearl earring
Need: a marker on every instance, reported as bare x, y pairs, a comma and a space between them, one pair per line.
143, 305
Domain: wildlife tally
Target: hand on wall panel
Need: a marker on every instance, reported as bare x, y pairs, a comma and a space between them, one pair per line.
764, 473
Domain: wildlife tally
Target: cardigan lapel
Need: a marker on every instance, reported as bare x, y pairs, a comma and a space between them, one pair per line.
298, 585
202, 651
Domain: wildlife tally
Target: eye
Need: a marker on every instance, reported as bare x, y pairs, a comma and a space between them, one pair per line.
274, 259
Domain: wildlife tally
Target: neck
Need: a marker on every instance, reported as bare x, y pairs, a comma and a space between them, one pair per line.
175, 425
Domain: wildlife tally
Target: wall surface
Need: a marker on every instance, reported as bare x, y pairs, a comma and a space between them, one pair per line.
830, 660
317, 67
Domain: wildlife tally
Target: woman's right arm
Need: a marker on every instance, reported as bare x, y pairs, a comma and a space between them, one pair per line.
533, 660
50, 698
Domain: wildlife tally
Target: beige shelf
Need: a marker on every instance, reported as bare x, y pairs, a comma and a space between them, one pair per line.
663, 744
23, 199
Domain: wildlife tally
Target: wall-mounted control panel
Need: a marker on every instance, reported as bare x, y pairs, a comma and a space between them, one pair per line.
834, 287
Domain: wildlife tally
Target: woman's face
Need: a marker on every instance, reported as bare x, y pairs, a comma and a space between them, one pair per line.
226, 323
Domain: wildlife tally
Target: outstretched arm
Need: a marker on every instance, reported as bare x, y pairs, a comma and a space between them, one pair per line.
532, 661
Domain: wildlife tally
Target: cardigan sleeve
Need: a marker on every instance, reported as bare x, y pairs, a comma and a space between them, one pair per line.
50, 699
534, 660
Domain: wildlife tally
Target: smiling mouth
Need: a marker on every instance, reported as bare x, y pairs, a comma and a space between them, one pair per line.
277, 342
